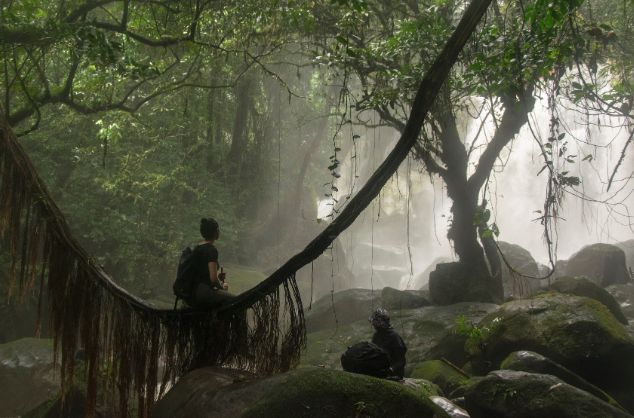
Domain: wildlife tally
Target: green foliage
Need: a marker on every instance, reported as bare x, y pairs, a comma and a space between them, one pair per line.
476, 336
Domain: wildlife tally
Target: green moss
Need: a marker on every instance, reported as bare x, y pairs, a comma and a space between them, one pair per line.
323, 393
584, 337
425, 387
440, 373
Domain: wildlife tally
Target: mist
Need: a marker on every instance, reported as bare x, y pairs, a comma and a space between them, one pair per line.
399, 238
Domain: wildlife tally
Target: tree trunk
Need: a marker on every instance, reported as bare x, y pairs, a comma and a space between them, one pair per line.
479, 283
479, 258
212, 122
239, 137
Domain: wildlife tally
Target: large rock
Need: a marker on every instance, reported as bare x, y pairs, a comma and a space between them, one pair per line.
27, 375
454, 282
576, 332
342, 308
604, 264
522, 262
422, 329
403, 299
305, 392
628, 249
515, 394
353, 305
447, 283
531, 362
424, 284
582, 286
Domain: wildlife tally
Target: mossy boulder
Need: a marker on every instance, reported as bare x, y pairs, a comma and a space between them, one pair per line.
531, 362
582, 286
27, 375
515, 394
604, 264
422, 329
576, 332
305, 392
448, 378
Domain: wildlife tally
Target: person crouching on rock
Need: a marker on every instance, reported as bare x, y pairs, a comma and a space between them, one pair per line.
388, 339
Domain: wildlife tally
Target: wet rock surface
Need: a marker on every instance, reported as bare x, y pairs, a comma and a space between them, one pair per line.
448, 408
582, 286
515, 394
576, 332
531, 362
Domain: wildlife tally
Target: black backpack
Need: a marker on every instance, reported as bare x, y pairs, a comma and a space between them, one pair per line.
185, 279
366, 358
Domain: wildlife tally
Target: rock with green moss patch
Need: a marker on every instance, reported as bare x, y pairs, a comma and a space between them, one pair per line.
515, 394
576, 332
441, 373
582, 286
531, 362
305, 392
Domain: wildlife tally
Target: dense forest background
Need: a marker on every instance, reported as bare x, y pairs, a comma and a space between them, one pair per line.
144, 116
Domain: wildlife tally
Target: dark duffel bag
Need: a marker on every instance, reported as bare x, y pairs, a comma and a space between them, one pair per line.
366, 358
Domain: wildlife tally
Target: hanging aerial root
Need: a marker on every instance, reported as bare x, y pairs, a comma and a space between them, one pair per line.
121, 340
125, 338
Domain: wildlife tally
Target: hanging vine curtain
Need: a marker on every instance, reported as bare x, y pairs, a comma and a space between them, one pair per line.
262, 330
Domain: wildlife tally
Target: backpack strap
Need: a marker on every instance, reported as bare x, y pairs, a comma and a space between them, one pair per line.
175, 302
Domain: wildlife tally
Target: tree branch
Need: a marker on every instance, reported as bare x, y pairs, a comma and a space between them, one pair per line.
425, 96
515, 116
